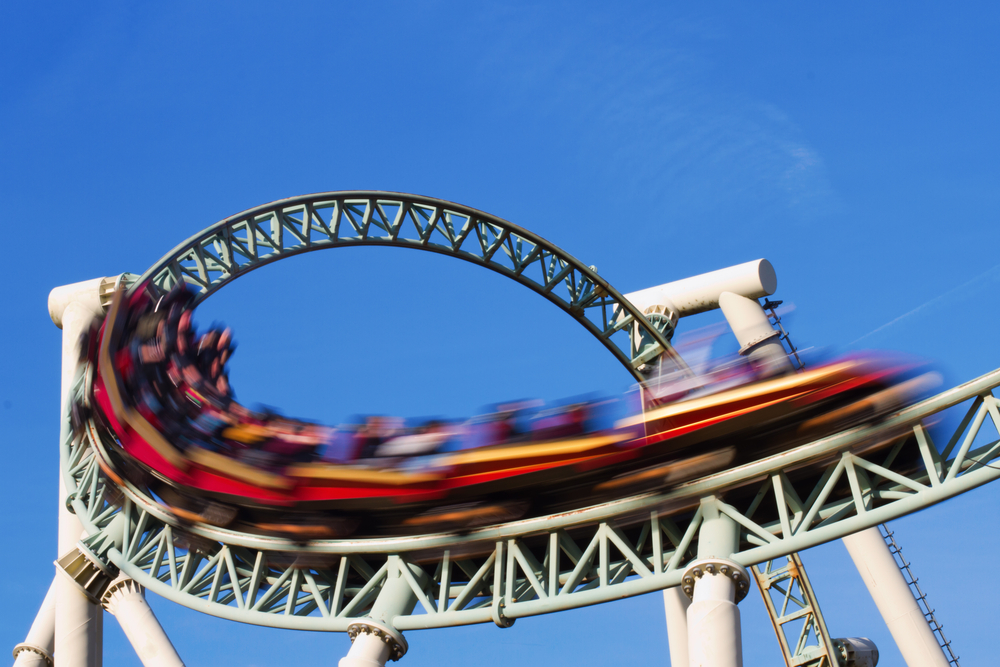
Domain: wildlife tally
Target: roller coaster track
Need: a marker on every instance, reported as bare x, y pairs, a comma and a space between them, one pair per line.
784, 503
241, 243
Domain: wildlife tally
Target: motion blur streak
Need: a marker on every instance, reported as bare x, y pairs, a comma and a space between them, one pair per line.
162, 389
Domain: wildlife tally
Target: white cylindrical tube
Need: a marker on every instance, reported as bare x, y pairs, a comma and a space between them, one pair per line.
697, 294
78, 622
894, 599
125, 600
375, 638
36, 649
86, 294
27, 657
713, 619
79, 627
366, 651
757, 338
75, 319
676, 604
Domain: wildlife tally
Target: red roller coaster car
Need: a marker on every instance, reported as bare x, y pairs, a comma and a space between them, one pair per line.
200, 453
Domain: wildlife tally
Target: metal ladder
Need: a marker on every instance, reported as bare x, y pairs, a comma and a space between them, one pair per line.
792, 350
920, 596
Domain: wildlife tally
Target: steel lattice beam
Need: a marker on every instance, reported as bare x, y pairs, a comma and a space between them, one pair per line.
784, 504
246, 241
792, 605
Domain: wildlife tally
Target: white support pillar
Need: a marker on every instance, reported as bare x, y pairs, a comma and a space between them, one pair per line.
78, 622
894, 599
757, 338
675, 604
374, 638
36, 649
716, 584
714, 631
367, 650
126, 601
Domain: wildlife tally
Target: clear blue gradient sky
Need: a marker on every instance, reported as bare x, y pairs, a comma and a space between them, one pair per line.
855, 148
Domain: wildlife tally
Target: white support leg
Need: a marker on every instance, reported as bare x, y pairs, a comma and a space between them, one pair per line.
375, 639
714, 638
126, 601
894, 599
715, 584
757, 338
675, 604
36, 649
78, 622
79, 625
366, 651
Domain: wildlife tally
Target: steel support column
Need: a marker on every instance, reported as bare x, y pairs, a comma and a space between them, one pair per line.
126, 601
757, 338
78, 621
36, 649
375, 639
894, 600
715, 584
675, 604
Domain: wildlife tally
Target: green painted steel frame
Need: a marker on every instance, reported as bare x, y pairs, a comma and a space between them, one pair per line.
597, 554
232, 247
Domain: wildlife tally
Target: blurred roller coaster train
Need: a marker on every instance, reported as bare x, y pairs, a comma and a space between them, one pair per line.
162, 392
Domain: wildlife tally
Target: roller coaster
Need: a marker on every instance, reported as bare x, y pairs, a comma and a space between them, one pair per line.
696, 494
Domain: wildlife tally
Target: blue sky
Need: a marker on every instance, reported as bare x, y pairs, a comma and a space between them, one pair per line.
856, 149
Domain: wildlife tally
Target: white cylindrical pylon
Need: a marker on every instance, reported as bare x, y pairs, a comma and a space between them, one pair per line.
758, 340
375, 639
78, 622
894, 599
714, 631
715, 584
367, 650
675, 604
36, 649
126, 601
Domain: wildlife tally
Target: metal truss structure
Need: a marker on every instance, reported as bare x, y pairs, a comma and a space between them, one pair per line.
781, 504
246, 241
792, 605
785, 503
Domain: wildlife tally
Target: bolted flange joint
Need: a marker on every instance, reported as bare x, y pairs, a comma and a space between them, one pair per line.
390, 636
498, 616
24, 646
718, 567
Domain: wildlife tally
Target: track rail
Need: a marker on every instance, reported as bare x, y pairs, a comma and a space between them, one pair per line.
254, 238
818, 492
